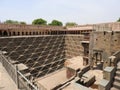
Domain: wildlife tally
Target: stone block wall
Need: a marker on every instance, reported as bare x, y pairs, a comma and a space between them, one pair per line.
108, 42
102, 41
73, 46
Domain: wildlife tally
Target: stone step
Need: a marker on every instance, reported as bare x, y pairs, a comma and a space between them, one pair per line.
118, 73
113, 88
117, 79
77, 78
118, 68
116, 85
118, 64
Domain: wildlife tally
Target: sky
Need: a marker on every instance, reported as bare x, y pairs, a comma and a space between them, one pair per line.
79, 11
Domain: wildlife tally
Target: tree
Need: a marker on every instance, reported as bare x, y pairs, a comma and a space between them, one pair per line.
118, 20
71, 24
39, 21
11, 22
14, 22
56, 23
24, 23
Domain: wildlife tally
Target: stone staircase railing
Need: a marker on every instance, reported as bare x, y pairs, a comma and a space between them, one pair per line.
110, 72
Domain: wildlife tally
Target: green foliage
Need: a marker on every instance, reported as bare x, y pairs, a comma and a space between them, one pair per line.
118, 20
11, 22
39, 21
14, 22
56, 23
24, 23
71, 24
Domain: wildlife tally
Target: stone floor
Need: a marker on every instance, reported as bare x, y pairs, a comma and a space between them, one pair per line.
75, 63
53, 79
6, 83
76, 86
98, 75
59, 77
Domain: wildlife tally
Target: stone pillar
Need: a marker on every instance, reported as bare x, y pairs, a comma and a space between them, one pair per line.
85, 61
108, 73
100, 57
104, 85
106, 82
112, 60
91, 45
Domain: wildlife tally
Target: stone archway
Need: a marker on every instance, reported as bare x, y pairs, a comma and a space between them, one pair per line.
14, 33
0, 33
5, 33
10, 34
97, 59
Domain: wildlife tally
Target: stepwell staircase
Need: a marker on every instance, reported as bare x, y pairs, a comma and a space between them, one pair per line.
116, 83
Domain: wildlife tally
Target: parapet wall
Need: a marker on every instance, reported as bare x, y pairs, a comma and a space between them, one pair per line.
115, 26
20, 30
33, 27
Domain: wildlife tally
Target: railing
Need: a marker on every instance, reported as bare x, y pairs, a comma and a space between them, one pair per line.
113, 60
21, 81
117, 57
9, 68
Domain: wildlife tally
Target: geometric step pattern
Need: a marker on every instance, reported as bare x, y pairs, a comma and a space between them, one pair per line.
41, 54
116, 83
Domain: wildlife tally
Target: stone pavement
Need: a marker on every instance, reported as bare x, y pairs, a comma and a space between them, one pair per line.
6, 82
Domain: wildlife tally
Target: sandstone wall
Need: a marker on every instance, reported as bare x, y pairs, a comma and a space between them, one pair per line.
109, 42
73, 46
104, 42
